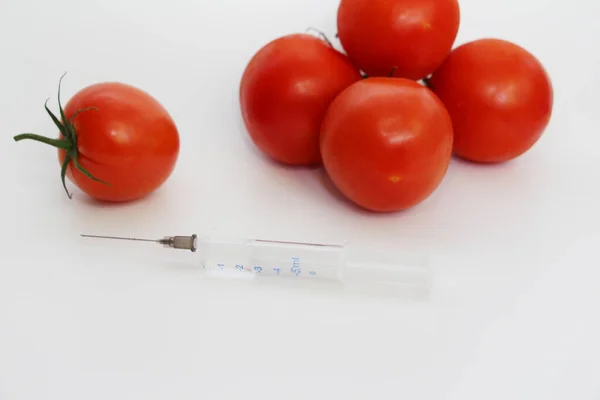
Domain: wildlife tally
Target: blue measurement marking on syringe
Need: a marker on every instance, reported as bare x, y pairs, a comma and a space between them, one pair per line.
239, 267
221, 266
278, 270
258, 268
296, 270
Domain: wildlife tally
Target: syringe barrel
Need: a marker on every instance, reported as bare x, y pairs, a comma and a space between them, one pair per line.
378, 270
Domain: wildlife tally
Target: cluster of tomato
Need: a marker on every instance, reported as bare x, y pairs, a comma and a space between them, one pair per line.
385, 114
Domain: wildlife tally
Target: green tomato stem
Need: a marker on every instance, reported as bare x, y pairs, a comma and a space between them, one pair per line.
427, 83
58, 143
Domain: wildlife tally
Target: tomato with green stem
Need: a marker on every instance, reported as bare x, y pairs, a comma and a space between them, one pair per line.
116, 142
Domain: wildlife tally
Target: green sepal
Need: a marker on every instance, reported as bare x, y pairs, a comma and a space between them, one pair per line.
63, 173
85, 172
57, 122
67, 126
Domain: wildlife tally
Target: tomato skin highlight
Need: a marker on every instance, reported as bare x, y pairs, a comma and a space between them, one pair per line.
130, 142
412, 36
386, 143
499, 96
285, 91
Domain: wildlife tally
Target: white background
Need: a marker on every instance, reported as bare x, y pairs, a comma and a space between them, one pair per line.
515, 308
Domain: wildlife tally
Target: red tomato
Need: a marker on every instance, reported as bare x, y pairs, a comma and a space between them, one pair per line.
387, 143
125, 143
285, 91
413, 36
499, 97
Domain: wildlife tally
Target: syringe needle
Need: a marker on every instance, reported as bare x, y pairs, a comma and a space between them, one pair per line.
122, 238
174, 242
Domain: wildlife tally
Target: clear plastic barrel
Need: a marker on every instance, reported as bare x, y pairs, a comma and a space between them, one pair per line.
380, 271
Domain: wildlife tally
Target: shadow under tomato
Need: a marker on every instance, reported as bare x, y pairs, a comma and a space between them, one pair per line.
259, 154
335, 192
272, 163
89, 200
486, 165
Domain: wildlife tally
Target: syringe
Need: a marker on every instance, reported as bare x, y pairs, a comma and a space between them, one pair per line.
377, 271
